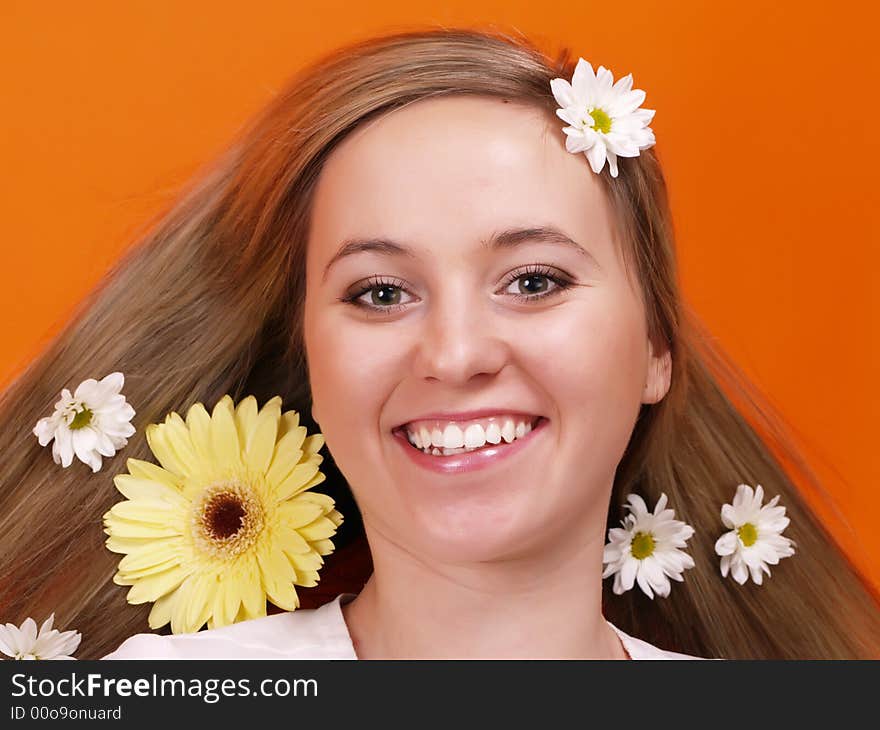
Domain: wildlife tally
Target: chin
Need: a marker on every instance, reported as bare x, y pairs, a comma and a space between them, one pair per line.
476, 538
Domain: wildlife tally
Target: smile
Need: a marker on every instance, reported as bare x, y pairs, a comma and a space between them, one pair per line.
465, 459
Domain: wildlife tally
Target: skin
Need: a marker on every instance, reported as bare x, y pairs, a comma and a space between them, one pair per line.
504, 561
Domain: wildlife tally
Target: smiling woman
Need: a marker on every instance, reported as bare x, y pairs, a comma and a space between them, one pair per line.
485, 325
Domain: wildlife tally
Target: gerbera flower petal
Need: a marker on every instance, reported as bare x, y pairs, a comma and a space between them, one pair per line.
260, 446
198, 422
138, 488
295, 481
160, 613
157, 438
151, 587
224, 436
245, 414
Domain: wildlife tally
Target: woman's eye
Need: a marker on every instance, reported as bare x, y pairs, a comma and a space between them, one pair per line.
384, 295
528, 285
388, 297
378, 296
531, 285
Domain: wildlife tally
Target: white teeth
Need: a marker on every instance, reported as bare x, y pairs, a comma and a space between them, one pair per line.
493, 434
453, 438
474, 436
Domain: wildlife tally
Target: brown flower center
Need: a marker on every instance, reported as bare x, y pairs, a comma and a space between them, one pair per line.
224, 515
227, 519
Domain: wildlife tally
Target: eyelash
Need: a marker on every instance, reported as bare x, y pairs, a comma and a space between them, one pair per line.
376, 282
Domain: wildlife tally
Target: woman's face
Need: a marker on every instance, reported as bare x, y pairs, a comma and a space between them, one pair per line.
439, 283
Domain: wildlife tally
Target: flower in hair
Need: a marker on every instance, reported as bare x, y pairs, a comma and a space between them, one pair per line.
228, 519
25, 643
604, 120
755, 537
646, 550
91, 423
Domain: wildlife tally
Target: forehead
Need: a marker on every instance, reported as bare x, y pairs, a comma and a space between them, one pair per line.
450, 171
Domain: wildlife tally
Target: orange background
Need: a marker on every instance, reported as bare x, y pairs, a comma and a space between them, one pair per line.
767, 125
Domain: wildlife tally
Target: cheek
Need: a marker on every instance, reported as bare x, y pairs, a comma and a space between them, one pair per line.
351, 372
592, 365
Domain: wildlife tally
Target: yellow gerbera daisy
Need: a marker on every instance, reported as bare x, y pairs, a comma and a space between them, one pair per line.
225, 522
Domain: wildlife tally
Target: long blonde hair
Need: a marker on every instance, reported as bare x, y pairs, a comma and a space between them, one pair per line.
210, 302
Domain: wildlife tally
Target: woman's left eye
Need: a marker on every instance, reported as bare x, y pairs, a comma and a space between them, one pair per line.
537, 283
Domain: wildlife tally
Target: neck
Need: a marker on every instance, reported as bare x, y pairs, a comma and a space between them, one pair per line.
546, 605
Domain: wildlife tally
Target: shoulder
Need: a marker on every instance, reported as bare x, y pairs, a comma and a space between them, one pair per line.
639, 649
318, 633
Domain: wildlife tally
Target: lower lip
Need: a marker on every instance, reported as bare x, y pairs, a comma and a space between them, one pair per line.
470, 460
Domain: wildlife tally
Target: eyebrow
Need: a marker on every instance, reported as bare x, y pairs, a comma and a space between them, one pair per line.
507, 239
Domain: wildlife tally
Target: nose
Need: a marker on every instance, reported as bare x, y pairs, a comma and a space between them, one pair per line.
463, 336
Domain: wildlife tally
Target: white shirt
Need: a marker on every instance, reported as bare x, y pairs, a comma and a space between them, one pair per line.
318, 633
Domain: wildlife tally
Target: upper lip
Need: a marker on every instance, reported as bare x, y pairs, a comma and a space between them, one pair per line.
467, 415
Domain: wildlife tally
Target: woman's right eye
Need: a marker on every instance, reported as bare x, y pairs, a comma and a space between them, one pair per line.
378, 295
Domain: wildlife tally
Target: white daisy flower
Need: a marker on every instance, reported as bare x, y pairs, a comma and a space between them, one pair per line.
605, 121
755, 537
25, 643
646, 548
91, 423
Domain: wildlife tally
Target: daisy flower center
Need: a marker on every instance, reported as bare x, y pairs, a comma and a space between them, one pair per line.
748, 533
82, 419
228, 519
642, 545
601, 120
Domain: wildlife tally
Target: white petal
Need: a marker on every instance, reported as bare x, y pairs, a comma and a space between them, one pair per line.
563, 93
113, 382
637, 504
583, 80
612, 162
605, 79
624, 84
642, 580
628, 103
64, 446
727, 543
8, 639
569, 116
47, 624
730, 517
661, 504
57, 644
45, 430
628, 573
578, 142
739, 571
84, 439
88, 390
26, 636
